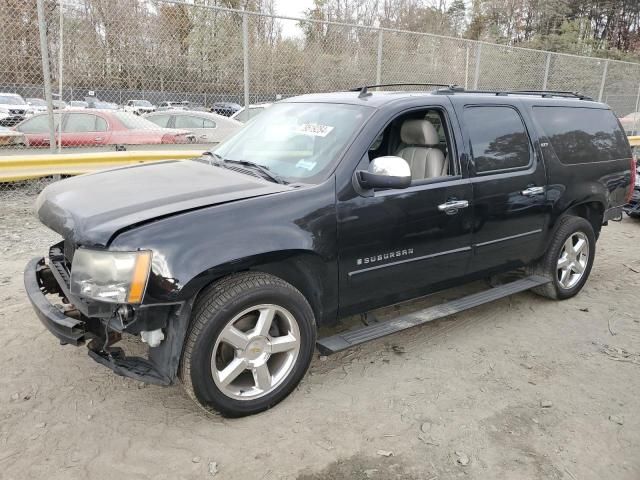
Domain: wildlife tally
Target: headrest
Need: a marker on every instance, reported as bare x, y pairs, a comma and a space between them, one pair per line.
419, 132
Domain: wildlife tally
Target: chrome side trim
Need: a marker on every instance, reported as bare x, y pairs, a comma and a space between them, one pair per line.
408, 260
504, 239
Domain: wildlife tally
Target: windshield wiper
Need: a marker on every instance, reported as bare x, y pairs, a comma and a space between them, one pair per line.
220, 161
264, 170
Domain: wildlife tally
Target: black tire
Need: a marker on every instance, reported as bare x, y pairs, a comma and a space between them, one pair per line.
547, 266
218, 305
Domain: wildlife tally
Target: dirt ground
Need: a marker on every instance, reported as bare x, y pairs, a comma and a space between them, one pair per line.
523, 388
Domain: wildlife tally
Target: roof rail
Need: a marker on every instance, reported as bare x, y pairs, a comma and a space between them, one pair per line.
364, 90
542, 93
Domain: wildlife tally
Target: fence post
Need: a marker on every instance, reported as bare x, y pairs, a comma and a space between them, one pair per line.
245, 55
476, 77
46, 73
634, 130
60, 65
379, 64
604, 79
466, 69
546, 71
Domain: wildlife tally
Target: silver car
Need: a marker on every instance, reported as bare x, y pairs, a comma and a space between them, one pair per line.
207, 127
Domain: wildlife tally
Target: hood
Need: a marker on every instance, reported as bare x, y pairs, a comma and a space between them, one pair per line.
90, 209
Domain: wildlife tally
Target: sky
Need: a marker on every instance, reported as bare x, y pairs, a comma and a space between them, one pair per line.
292, 8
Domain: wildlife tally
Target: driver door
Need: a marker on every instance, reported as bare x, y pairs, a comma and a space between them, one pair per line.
401, 244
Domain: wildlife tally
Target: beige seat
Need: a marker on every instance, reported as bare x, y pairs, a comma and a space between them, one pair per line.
418, 138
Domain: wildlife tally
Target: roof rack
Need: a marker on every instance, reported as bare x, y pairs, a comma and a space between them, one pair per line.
542, 93
364, 90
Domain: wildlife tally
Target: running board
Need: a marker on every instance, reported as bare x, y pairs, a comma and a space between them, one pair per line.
342, 341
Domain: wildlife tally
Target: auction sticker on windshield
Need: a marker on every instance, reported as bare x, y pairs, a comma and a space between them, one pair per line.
314, 129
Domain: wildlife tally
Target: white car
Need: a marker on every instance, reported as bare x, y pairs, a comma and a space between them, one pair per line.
207, 127
75, 104
13, 109
247, 113
37, 104
139, 107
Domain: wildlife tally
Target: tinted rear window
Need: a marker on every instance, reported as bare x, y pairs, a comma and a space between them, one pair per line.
499, 140
582, 135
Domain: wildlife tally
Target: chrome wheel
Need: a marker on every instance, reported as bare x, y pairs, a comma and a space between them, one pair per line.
255, 352
573, 260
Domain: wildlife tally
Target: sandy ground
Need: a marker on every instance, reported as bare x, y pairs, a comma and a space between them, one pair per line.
459, 398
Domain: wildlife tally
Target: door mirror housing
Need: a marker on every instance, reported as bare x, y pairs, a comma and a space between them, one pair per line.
385, 172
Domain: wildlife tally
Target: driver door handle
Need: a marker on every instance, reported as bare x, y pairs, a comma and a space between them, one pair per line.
452, 206
533, 191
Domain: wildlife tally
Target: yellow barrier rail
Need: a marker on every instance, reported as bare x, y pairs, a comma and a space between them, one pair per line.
24, 167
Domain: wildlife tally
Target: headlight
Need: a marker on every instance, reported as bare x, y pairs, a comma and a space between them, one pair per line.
118, 277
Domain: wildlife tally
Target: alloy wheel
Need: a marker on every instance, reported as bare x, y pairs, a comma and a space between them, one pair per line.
255, 352
573, 260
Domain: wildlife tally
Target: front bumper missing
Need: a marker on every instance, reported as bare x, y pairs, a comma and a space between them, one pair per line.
67, 329
159, 369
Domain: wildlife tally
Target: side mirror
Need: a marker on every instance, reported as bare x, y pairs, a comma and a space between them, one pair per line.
385, 172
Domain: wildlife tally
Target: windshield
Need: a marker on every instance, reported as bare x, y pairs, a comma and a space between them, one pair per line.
132, 121
142, 103
296, 141
12, 100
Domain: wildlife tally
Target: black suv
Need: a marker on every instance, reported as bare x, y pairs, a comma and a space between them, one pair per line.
326, 206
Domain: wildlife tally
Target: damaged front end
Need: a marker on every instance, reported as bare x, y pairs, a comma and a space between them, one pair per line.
78, 320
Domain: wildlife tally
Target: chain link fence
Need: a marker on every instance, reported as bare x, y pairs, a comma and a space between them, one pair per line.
127, 57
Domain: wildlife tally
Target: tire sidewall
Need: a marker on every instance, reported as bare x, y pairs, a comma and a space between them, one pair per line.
205, 389
577, 225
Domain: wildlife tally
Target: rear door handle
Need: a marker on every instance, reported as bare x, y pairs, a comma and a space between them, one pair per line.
452, 206
98, 139
533, 191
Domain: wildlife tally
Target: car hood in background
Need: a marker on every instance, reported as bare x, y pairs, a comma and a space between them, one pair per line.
90, 209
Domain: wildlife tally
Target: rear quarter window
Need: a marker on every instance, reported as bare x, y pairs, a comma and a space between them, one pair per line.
582, 135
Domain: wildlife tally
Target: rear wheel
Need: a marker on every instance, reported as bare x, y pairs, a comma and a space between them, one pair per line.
250, 343
568, 259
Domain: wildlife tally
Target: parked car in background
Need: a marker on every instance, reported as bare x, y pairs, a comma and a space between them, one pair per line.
225, 108
59, 104
100, 104
13, 109
139, 107
207, 127
10, 137
631, 123
171, 106
78, 104
247, 113
92, 128
37, 104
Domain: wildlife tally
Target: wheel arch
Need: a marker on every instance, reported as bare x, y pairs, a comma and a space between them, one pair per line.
307, 271
592, 211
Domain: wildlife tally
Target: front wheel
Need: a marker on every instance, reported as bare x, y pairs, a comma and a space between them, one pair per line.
568, 260
250, 343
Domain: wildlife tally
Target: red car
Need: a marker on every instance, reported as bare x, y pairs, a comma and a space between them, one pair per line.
90, 128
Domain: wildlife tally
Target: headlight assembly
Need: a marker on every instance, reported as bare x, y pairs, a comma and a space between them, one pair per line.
118, 277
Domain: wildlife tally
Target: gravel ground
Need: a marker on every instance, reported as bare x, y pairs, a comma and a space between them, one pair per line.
523, 388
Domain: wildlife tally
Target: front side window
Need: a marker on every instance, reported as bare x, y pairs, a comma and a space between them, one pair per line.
159, 120
297, 141
188, 121
499, 140
582, 135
